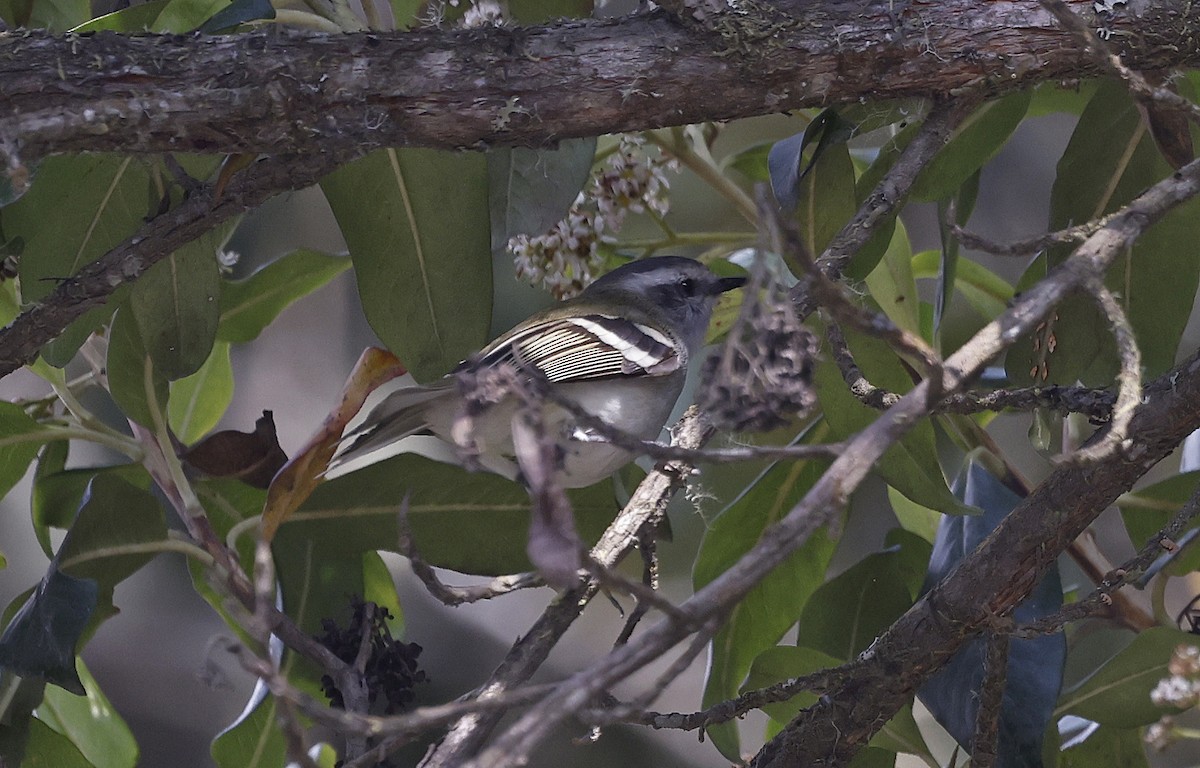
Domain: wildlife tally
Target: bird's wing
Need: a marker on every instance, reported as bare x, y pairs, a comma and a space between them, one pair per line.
588, 347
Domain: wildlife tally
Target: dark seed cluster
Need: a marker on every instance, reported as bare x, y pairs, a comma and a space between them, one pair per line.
762, 377
391, 670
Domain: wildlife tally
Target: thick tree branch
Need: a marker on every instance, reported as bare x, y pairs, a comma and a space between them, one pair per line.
285, 92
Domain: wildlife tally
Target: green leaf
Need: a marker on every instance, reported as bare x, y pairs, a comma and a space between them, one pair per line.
185, 15
751, 162
845, 615
135, 18
57, 493
529, 190
1049, 98
236, 13
199, 401
784, 662
760, 619
118, 530
1110, 159
1147, 510
892, 285
90, 723
78, 208
911, 465
976, 141
18, 446
47, 748
984, 290
919, 520
175, 306
421, 250
901, 734
138, 388
42, 637
254, 741
1118, 693
62, 349
472, 523
250, 305
1109, 747
826, 199
379, 588
57, 15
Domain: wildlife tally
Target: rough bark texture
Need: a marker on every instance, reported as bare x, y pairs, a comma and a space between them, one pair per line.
988, 583
287, 92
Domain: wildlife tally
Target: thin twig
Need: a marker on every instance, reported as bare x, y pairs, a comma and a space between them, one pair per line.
445, 593
1128, 572
1096, 404
648, 547
1129, 377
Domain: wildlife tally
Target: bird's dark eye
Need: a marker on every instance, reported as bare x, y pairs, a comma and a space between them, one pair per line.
688, 286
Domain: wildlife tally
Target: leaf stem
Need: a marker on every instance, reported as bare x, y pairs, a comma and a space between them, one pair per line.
142, 547
704, 166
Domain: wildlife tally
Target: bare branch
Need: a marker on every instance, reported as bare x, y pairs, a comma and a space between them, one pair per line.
1129, 377
1096, 404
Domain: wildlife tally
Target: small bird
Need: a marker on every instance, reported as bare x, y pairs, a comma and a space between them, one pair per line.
620, 350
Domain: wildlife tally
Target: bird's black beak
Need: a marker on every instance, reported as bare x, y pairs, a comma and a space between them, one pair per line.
724, 284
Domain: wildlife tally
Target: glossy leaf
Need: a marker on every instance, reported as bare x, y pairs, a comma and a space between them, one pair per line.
1118, 693
135, 18
529, 190
919, 520
760, 619
47, 748
1109, 747
18, 444
472, 523
112, 537
1049, 98
845, 615
1147, 510
416, 222
90, 723
56, 15
58, 493
784, 662
892, 284
135, 384
181, 16
1110, 159
984, 290
199, 401
1035, 666
911, 466
248, 306
42, 637
236, 13
751, 162
912, 557
825, 199
786, 162
175, 306
976, 141
78, 208
255, 740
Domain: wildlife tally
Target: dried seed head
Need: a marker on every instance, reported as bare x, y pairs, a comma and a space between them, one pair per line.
762, 377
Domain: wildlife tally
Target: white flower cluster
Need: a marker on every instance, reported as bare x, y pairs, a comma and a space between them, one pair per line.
566, 258
1180, 691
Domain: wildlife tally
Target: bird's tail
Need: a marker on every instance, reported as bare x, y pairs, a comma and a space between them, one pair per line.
399, 415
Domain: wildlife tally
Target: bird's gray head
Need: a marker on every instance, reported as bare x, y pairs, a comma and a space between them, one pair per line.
684, 290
